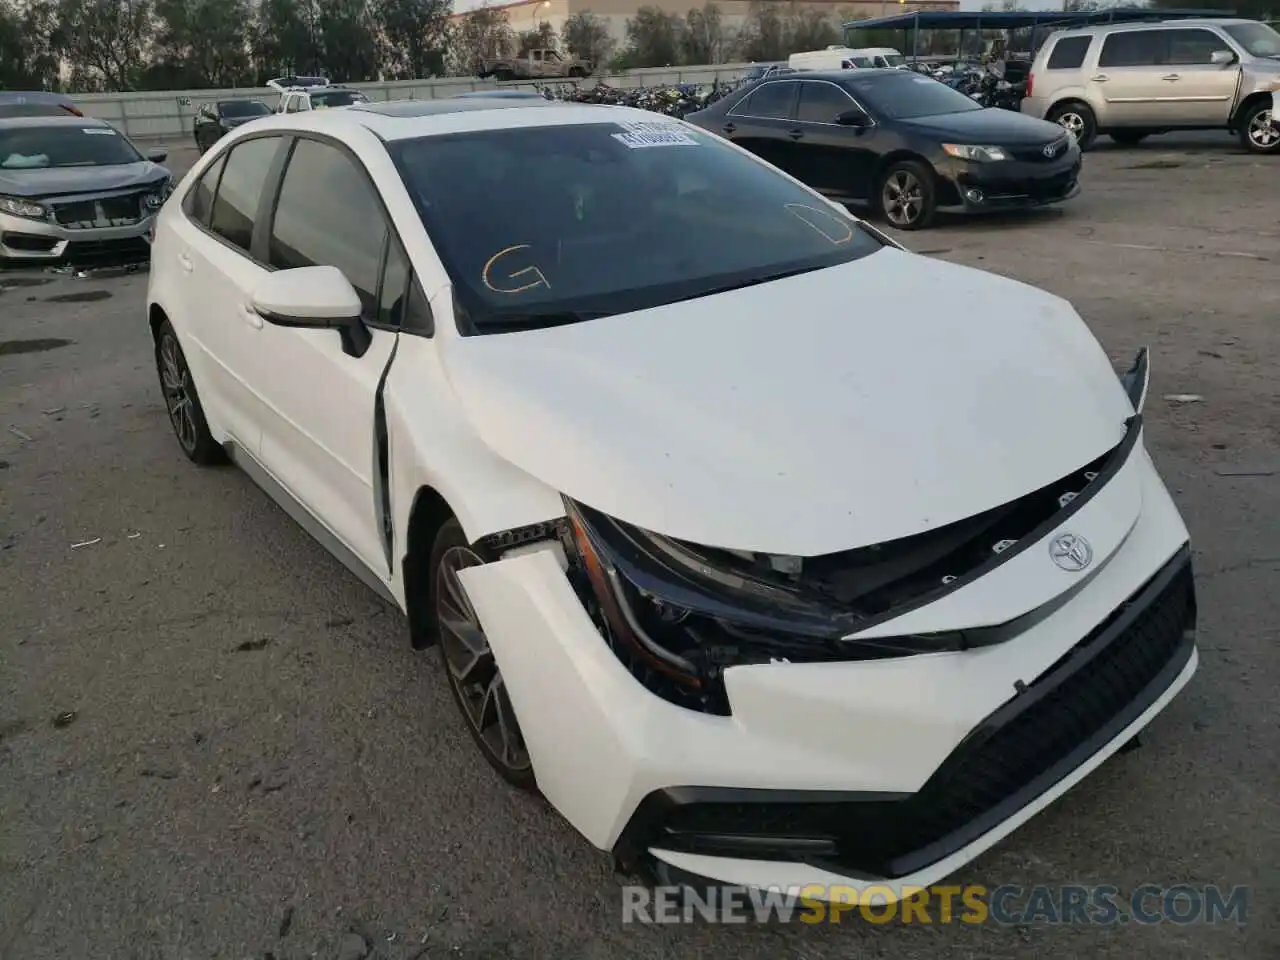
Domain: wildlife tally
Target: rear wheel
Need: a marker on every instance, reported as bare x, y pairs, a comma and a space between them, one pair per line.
181, 400
471, 669
1258, 132
907, 197
1078, 120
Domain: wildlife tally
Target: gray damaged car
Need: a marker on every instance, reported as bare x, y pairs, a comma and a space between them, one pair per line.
74, 190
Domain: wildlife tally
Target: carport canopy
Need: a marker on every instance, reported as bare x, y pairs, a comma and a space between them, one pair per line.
1017, 19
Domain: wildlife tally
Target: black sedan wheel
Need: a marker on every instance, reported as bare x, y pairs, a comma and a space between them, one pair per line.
907, 195
470, 666
183, 402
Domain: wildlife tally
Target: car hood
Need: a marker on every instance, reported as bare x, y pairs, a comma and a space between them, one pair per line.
57, 181
989, 126
831, 410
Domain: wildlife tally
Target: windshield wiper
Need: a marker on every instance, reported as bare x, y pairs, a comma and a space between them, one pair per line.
509, 322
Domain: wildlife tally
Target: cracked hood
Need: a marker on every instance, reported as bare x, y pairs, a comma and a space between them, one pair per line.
60, 181
827, 411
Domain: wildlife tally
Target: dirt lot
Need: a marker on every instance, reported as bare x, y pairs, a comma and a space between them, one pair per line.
259, 765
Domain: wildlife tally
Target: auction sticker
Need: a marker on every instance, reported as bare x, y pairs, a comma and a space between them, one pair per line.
649, 133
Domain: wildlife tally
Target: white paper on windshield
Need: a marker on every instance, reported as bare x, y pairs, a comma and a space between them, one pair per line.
652, 133
99, 131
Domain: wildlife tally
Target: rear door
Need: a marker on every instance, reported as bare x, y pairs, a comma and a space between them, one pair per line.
218, 264
318, 440
762, 122
1203, 91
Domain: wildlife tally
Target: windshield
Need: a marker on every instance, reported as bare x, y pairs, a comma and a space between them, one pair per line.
1258, 39
895, 59
905, 95
243, 108
544, 225
337, 98
30, 148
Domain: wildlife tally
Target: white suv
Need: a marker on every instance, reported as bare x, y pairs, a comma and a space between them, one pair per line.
583, 391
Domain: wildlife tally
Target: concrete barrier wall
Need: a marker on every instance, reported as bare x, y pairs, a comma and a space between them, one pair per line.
165, 116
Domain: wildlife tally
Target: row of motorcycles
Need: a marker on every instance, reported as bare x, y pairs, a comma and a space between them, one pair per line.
985, 83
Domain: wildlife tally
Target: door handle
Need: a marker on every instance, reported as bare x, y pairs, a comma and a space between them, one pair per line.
251, 316
795, 134
729, 128
1100, 78
185, 262
1172, 76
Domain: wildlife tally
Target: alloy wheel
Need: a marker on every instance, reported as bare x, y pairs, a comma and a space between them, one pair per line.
1261, 133
175, 382
1072, 122
473, 671
903, 198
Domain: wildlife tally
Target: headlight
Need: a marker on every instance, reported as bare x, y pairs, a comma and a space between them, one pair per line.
155, 200
677, 617
23, 208
968, 151
1136, 380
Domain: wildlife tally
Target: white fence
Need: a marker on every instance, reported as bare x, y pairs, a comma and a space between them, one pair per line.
159, 116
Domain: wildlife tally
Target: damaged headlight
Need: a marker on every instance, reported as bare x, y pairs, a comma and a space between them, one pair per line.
678, 618
1136, 380
28, 209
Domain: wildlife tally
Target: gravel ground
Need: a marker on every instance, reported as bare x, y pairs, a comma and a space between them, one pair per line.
214, 742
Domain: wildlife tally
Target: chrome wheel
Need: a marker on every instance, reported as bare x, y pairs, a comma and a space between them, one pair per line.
1262, 134
1072, 122
175, 382
902, 198
473, 672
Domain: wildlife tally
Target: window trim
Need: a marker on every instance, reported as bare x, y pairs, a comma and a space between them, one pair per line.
821, 123
795, 99
294, 136
189, 198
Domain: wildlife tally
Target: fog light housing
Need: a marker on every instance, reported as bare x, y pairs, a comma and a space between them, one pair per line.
974, 196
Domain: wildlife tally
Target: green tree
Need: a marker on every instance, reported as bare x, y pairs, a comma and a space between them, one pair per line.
415, 35
809, 29
347, 40
284, 39
654, 38
1251, 9
105, 40
587, 36
544, 38
28, 60
764, 33
704, 36
481, 35
201, 43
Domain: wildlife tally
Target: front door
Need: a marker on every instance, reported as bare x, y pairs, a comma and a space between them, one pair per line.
318, 440
1205, 91
763, 124
829, 157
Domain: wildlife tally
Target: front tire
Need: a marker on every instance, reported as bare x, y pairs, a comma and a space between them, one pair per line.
906, 196
1258, 133
182, 401
471, 669
1078, 120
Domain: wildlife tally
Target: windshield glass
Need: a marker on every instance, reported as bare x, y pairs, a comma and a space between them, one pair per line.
244, 108
29, 148
337, 98
545, 225
1258, 39
895, 59
905, 95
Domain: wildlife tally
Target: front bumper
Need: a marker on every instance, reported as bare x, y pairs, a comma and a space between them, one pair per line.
1014, 184
25, 242
937, 756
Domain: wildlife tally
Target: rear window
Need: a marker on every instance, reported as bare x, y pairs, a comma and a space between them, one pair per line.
336, 98
523, 218
1068, 53
1141, 48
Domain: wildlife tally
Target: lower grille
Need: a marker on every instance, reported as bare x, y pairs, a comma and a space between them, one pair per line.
119, 211
105, 253
1049, 729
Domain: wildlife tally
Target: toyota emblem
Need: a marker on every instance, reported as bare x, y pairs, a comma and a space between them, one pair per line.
1071, 552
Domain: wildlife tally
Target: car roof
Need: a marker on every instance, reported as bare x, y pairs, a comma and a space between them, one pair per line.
408, 119
1100, 28
9, 123
836, 76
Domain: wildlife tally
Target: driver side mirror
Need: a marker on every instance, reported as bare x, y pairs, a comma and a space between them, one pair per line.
853, 117
314, 298
1220, 58
157, 156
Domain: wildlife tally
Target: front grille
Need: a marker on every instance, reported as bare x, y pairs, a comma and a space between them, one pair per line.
1044, 733
1037, 155
118, 211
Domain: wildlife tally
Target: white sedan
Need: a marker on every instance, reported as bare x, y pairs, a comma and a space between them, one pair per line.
768, 552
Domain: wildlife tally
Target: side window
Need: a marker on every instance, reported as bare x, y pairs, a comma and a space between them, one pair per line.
1194, 46
770, 101
200, 200
821, 102
1136, 48
1068, 53
235, 204
328, 214
536, 54
395, 285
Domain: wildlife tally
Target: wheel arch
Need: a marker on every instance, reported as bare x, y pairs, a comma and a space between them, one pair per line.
899, 156
429, 512
1248, 103
155, 320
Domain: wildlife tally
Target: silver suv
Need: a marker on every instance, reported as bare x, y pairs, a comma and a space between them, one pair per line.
1133, 80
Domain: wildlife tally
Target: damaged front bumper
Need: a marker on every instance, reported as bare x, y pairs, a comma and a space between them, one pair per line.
761, 795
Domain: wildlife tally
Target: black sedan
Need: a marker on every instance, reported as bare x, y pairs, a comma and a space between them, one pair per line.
901, 141
215, 119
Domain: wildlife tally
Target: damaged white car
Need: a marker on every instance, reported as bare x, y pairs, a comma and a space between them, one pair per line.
770, 553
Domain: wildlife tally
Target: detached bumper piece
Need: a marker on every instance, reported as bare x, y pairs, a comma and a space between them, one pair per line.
1036, 739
